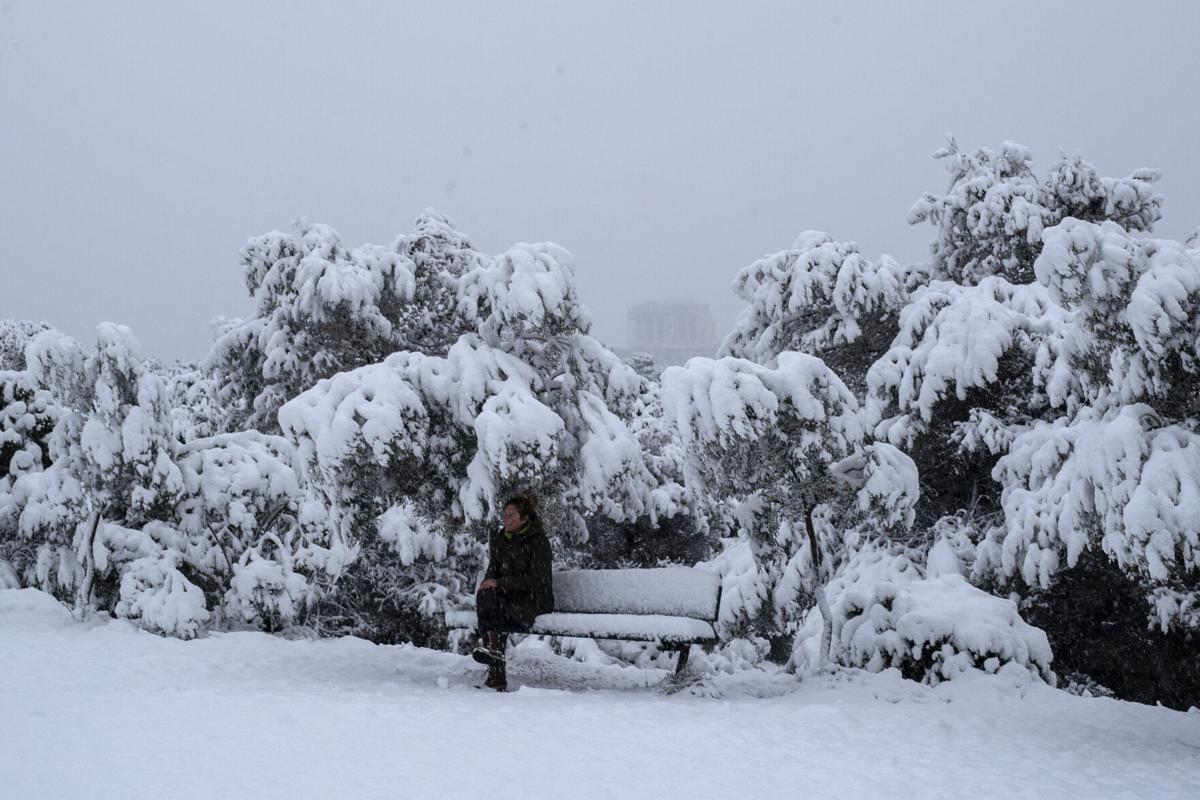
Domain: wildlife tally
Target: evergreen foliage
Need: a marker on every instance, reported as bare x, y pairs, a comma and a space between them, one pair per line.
15, 336
991, 218
111, 511
321, 309
416, 453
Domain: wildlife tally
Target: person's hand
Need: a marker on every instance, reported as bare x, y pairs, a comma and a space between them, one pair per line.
490, 583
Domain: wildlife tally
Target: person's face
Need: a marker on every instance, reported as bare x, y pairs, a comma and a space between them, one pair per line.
512, 519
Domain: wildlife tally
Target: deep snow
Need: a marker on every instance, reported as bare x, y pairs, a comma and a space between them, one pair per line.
104, 710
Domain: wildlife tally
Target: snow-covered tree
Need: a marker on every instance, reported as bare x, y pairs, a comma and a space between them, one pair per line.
111, 451
416, 453
28, 415
673, 531
440, 255
254, 531
1136, 300
15, 336
991, 218
116, 513
196, 412
321, 309
1071, 355
969, 369
1122, 473
821, 297
772, 443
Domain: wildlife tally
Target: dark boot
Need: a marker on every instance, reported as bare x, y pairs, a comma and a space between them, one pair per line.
492, 652
497, 677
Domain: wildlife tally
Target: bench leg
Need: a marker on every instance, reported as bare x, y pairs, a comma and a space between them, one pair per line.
683, 658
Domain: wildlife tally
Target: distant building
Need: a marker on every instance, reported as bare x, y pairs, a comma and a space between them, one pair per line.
672, 332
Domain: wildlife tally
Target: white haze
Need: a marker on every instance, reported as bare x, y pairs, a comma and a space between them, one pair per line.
141, 144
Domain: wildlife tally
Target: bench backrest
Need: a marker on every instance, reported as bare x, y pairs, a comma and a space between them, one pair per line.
674, 591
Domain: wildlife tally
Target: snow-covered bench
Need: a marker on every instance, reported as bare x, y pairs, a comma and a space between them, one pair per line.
674, 606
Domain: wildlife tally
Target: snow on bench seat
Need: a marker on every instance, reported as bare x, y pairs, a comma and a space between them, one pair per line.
673, 591
461, 618
632, 627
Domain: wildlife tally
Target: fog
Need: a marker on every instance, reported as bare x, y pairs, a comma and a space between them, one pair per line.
666, 146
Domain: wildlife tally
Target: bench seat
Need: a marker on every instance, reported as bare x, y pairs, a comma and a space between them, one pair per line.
674, 606
630, 627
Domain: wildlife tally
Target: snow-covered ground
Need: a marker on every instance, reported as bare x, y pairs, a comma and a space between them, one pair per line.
104, 710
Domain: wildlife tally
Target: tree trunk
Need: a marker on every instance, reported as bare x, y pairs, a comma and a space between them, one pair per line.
83, 595
826, 626
822, 601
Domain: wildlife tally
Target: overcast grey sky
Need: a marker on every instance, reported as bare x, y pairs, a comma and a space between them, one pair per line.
666, 145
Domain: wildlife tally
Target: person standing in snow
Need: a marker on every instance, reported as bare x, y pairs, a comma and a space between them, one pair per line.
516, 587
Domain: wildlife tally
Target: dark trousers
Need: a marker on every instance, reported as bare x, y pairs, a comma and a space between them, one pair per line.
494, 614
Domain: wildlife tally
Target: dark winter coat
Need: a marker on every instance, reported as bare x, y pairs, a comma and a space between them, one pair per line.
520, 563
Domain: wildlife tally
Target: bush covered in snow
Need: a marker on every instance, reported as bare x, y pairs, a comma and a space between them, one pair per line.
1095, 615
931, 625
103, 505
